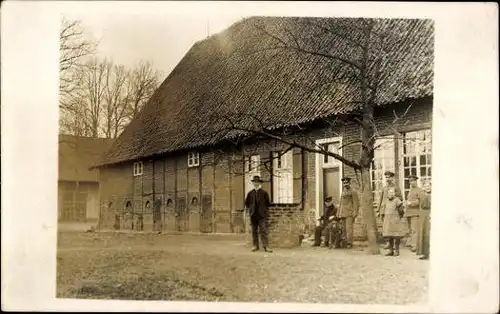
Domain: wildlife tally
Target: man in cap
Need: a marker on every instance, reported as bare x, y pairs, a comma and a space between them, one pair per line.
348, 210
390, 183
412, 210
329, 212
257, 203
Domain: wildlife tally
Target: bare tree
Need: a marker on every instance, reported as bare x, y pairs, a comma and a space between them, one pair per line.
74, 48
142, 82
89, 99
363, 64
115, 95
107, 96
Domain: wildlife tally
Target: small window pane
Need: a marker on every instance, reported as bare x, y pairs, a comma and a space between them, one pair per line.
407, 172
413, 161
406, 162
325, 157
423, 159
423, 172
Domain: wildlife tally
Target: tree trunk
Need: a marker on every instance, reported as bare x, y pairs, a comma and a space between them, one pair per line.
95, 128
368, 141
369, 221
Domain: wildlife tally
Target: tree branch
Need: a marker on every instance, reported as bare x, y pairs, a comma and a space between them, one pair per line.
298, 145
300, 49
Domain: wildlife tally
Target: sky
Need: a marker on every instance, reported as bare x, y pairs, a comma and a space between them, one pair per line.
162, 37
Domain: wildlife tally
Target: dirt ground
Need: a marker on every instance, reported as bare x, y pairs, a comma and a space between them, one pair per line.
222, 268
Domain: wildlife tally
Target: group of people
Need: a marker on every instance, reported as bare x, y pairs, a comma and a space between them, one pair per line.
399, 217
337, 224
416, 209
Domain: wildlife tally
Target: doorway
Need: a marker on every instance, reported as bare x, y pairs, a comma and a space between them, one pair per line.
182, 214
328, 173
206, 214
331, 187
157, 219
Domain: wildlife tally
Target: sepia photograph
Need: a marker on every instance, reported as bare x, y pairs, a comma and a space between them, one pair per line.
247, 157
282, 159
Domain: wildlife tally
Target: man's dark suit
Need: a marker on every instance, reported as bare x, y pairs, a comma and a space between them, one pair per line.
257, 202
327, 212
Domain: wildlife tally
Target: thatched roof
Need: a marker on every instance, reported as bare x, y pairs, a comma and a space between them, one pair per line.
244, 70
78, 154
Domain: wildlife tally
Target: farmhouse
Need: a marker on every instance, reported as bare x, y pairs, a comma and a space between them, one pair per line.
175, 168
78, 186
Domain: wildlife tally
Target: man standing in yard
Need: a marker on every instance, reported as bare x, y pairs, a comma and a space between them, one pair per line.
257, 203
348, 210
411, 212
389, 179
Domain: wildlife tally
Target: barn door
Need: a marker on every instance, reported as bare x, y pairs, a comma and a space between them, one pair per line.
182, 214
206, 214
81, 206
157, 221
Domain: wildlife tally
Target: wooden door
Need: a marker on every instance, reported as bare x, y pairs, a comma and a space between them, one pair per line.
182, 214
206, 214
331, 184
157, 221
81, 206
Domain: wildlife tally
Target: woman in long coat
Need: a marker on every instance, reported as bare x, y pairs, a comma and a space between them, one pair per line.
424, 223
394, 227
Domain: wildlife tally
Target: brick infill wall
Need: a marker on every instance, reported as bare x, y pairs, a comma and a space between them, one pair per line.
286, 223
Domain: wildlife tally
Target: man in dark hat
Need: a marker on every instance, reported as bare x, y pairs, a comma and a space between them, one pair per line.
329, 212
390, 183
257, 203
348, 210
412, 211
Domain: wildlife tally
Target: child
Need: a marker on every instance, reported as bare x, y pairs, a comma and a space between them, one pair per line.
394, 227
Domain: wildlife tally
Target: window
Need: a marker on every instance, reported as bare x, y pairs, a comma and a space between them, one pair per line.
383, 160
282, 177
416, 153
193, 159
138, 168
252, 168
282, 160
252, 164
194, 201
333, 147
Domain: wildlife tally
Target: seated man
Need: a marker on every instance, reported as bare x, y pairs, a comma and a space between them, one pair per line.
329, 213
335, 233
